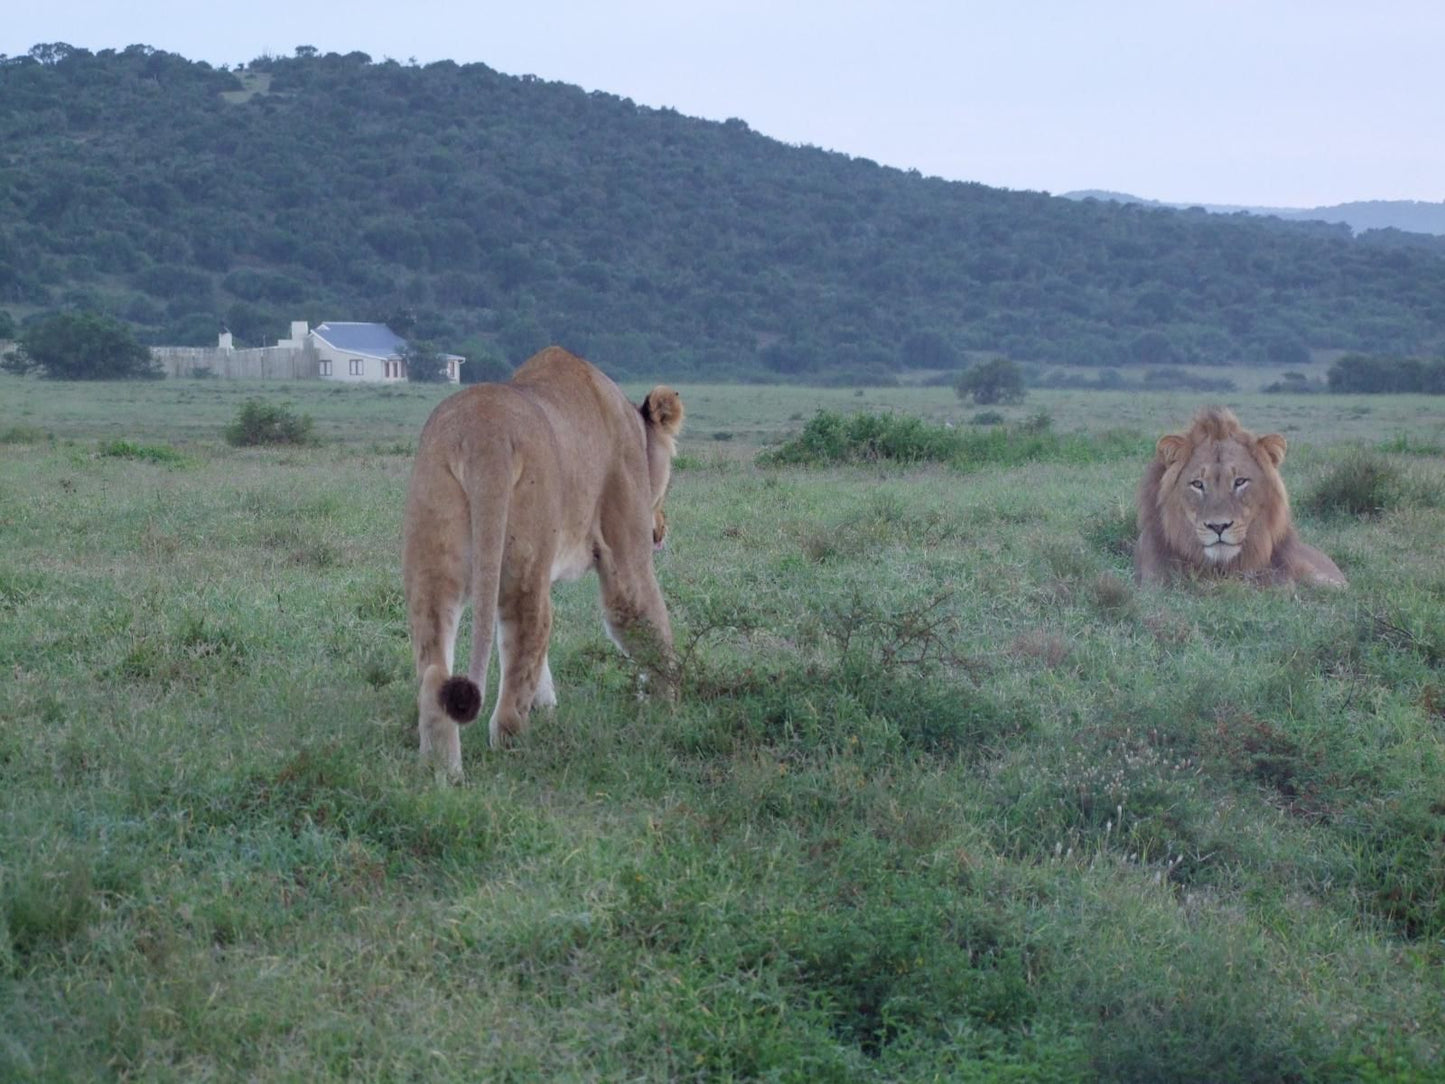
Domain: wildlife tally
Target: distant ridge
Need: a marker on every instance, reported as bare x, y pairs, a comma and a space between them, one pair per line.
489, 215
1411, 216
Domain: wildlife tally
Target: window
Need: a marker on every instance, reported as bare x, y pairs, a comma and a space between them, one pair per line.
325, 366
358, 367
391, 370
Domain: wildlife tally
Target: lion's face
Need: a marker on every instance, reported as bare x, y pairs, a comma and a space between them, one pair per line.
1222, 496
1213, 500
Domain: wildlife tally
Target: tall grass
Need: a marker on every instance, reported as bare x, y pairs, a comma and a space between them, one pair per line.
1364, 483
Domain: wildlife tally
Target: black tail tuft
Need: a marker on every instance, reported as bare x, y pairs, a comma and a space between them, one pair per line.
460, 698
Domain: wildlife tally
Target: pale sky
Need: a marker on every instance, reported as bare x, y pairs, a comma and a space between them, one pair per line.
1283, 103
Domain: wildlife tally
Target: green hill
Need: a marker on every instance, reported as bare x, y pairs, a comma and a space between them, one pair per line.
1407, 216
482, 210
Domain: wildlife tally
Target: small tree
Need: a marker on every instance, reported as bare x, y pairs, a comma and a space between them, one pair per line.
484, 364
425, 364
81, 346
996, 381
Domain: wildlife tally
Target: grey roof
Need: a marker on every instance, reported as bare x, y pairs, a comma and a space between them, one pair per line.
373, 340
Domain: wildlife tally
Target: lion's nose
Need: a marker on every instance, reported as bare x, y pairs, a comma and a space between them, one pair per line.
1220, 528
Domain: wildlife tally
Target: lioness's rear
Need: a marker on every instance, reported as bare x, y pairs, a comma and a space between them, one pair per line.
514, 486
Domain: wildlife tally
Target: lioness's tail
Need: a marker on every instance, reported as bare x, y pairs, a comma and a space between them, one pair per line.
459, 696
488, 499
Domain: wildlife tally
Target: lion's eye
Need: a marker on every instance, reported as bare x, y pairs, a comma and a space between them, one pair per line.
1240, 483
1197, 484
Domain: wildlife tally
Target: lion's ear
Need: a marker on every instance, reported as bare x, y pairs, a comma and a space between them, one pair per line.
663, 408
1171, 448
1272, 445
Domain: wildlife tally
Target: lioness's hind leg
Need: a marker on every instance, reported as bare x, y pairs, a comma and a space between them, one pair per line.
524, 625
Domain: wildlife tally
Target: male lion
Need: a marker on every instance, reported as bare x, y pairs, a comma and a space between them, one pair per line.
516, 486
1213, 502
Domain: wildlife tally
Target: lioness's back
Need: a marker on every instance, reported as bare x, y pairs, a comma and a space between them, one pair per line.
579, 394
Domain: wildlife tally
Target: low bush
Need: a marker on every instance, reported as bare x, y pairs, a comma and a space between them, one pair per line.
21, 434
151, 453
1362, 485
1362, 373
1295, 384
830, 438
1183, 380
260, 422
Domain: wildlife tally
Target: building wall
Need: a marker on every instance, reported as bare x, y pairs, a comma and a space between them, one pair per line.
301, 357
264, 363
373, 370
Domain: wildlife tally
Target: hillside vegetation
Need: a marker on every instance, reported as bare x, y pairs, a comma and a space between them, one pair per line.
1404, 216
489, 212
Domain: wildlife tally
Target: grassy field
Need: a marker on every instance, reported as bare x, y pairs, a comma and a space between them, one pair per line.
945, 797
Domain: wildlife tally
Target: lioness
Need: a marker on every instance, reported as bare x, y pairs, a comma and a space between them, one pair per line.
516, 486
1212, 501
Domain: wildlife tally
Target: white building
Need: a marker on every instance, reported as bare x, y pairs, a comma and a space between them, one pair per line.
357, 352
353, 352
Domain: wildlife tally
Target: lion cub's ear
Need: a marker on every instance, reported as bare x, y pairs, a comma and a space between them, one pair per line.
1272, 445
663, 408
1171, 448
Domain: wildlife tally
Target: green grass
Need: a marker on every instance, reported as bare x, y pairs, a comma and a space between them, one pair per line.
176, 411
945, 797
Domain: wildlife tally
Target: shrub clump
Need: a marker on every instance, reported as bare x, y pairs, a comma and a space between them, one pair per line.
996, 381
1294, 384
21, 434
152, 453
260, 422
1183, 380
1362, 485
830, 439
1362, 373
